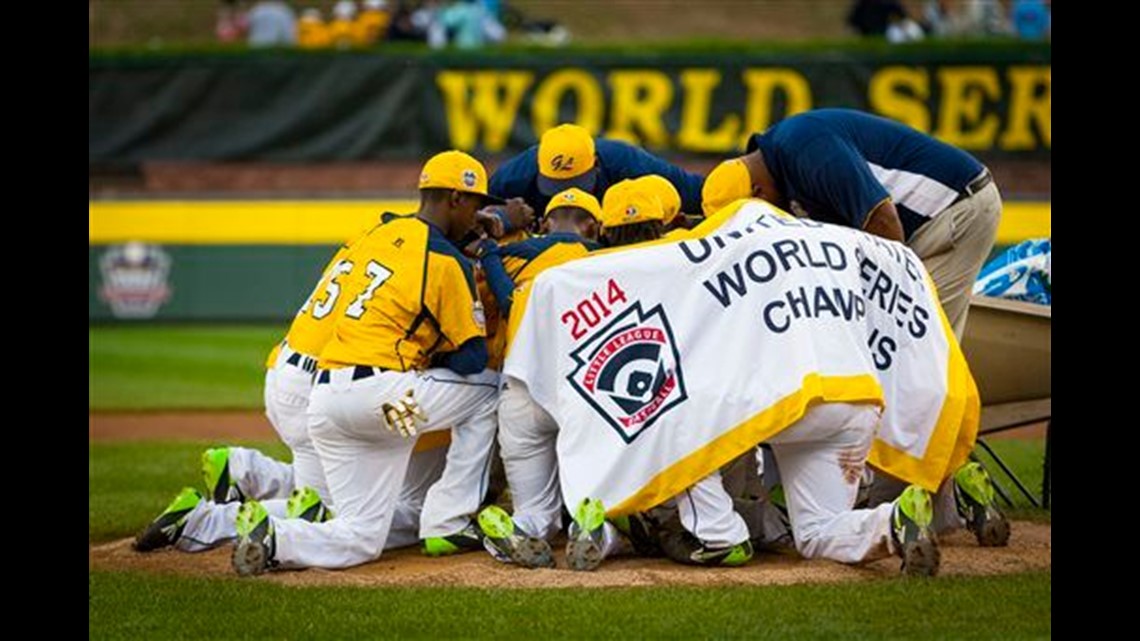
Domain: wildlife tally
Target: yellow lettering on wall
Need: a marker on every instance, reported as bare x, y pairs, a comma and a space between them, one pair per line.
698, 85
900, 93
960, 119
548, 97
640, 99
1028, 105
761, 85
482, 101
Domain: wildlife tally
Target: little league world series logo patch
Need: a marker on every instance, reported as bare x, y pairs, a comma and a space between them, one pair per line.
135, 279
630, 371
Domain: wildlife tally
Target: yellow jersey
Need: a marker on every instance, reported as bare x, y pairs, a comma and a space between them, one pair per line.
312, 34
409, 295
340, 33
370, 27
313, 323
496, 324
522, 262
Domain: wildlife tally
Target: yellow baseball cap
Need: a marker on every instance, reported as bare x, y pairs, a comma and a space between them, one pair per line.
575, 197
628, 202
456, 170
566, 158
666, 193
726, 183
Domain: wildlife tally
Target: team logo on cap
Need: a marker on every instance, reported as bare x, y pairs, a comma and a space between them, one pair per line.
423, 178
630, 211
568, 196
469, 178
630, 371
562, 163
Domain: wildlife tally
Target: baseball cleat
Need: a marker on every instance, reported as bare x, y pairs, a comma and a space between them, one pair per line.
974, 497
168, 526
256, 543
910, 531
734, 556
682, 547
584, 549
469, 539
216, 473
641, 531
305, 503
506, 543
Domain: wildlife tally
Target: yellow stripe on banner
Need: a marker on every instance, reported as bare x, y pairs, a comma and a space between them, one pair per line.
1022, 221
328, 222
862, 388
954, 433
313, 222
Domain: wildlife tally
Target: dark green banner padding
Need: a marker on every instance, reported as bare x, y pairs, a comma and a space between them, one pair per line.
994, 101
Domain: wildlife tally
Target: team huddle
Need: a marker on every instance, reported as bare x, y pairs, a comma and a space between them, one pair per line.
428, 349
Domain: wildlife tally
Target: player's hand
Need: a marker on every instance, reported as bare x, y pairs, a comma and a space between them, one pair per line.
402, 415
519, 213
489, 222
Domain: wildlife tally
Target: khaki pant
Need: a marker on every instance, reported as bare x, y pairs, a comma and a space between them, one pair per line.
954, 245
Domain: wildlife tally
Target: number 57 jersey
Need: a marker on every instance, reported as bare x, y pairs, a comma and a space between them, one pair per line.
407, 294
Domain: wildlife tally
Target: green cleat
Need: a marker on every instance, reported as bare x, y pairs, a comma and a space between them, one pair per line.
216, 473
168, 526
974, 498
304, 503
256, 543
503, 540
469, 539
681, 546
584, 549
910, 531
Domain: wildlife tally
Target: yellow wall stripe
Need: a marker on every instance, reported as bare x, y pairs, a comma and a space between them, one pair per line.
312, 222
327, 222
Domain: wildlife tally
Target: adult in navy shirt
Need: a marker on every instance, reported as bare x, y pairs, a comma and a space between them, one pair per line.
854, 169
568, 156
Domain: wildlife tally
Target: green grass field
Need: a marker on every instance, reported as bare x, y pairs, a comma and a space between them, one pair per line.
1013, 607
222, 367
178, 367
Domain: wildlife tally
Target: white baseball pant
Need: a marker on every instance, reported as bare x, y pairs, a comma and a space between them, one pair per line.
527, 444
287, 391
365, 463
211, 524
821, 459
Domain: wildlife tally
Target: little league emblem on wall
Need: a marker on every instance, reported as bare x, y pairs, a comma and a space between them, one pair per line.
135, 279
630, 371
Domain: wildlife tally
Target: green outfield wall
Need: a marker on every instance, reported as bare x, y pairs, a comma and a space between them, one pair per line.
258, 260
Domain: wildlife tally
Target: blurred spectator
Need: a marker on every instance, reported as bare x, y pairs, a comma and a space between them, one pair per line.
341, 27
1031, 19
985, 18
402, 27
469, 25
426, 20
494, 9
272, 23
900, 28
312, 32
232, 23
941, 18
544, 32
872, 17
372, 23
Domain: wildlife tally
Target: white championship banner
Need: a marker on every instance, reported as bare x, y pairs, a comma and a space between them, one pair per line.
663, 362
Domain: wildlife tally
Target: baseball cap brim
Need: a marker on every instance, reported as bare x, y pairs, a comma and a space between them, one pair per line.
585, 182
488, 199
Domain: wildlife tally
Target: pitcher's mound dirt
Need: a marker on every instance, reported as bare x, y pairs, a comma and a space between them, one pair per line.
1029, 549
